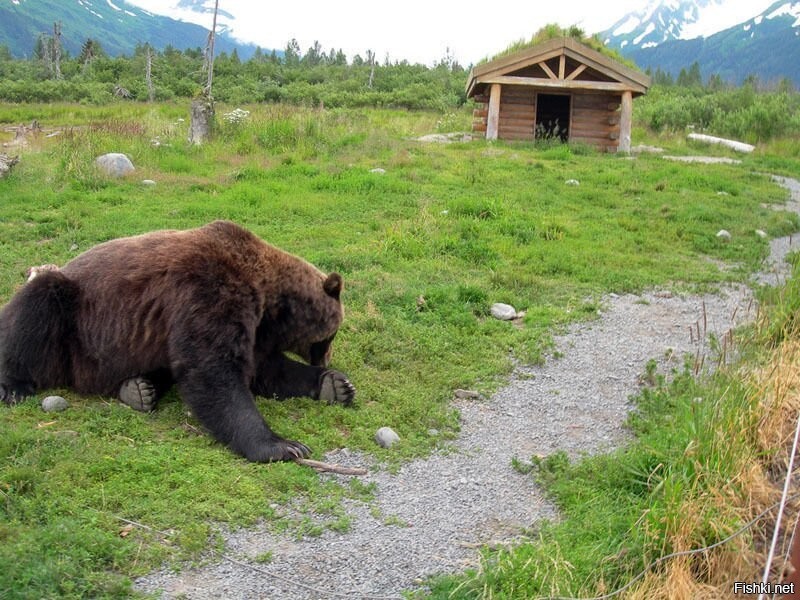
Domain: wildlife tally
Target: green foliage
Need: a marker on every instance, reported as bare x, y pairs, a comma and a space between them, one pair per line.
741, 113
425, 247
316, 78
554, 31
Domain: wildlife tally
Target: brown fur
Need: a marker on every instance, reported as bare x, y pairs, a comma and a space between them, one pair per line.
212, 309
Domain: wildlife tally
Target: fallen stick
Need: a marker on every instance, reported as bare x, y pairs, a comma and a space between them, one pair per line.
323, 466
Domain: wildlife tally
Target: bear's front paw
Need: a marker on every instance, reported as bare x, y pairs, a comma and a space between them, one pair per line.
138, 393
335, 388
278, 450
14, 394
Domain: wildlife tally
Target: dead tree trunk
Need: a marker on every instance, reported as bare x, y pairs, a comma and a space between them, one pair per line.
149, 75
202, 112
202, 118
57, 48
6, 162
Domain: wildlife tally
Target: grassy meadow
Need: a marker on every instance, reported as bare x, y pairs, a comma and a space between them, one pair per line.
425, 247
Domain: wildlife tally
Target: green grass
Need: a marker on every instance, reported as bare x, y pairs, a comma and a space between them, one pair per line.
425, 249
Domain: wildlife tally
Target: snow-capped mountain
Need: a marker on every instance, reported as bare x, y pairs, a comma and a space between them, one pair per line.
766, 45
664, 20
118, 25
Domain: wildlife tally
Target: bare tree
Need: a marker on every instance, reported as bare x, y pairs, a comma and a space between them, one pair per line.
57, 49
371, 61
148, 57
202, 110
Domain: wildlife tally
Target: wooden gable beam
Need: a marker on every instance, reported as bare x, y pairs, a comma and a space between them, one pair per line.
562, 66
578, 70
547, 70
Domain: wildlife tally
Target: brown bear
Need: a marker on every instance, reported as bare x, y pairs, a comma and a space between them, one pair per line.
212, 310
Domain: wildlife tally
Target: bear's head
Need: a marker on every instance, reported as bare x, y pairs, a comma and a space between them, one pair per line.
318, 326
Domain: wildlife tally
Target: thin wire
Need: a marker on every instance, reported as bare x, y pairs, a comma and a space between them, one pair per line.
790, 470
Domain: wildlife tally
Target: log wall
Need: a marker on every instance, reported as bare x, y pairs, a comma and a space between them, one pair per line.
517, 112
595, 120
595, 117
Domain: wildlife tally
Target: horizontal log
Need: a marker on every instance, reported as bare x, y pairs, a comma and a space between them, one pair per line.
510, 114
595, 133
516, 131
604, 86
516, 122
592, 113
480, 112
481, 98
479, 127
594, 100
526, 137
518, 93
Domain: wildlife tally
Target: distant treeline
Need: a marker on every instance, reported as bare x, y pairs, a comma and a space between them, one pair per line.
749, 112
752, 112
311, 78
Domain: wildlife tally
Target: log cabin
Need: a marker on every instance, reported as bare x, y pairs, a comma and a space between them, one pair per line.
558, 89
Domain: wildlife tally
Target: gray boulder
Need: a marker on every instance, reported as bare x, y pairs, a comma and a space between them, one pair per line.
115, 164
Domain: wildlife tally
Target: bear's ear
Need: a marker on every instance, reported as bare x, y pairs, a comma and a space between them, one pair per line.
333, 285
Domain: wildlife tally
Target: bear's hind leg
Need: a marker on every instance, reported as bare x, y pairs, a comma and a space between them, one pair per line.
143, 391
139, 393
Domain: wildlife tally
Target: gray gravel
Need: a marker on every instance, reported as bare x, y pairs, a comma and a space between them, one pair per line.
431, 516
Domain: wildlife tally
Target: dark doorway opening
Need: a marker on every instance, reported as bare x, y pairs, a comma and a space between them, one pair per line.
552, 117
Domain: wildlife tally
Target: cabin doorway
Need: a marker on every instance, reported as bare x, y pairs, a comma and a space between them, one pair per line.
552, 117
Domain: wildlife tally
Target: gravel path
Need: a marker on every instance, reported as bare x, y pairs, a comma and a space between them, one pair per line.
431, 516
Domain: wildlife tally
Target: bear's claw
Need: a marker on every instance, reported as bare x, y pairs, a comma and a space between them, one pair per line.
335, 388
279, 450
138, 393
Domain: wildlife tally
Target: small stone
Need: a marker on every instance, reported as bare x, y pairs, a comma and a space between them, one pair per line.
467, 395
762, 234
73, 247
115, 164
378, 170
574, 182
724, 235
386, 437
504, 312
54, 404
148, 182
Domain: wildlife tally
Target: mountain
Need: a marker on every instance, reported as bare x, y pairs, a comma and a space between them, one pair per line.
118, 25
665, 20
672, 34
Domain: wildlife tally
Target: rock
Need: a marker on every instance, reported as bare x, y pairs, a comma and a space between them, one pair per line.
115, 164
467, 395
504, 312
386, 437
724, 235
762, 234
574, 182
148, 182
378, 171
54, 404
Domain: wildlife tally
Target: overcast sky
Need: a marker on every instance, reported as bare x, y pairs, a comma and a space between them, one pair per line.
415, 30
